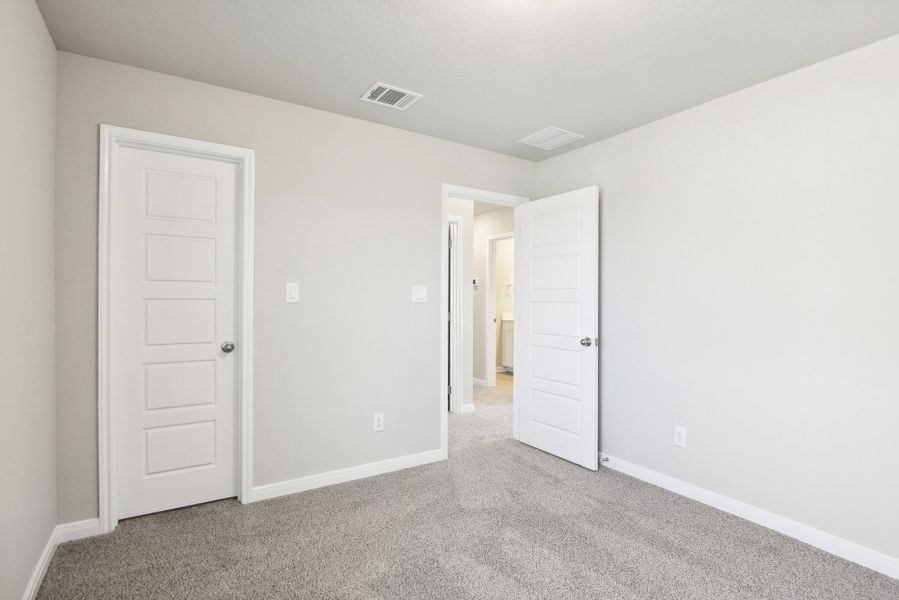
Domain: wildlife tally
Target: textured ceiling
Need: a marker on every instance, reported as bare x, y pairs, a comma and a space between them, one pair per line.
491, 71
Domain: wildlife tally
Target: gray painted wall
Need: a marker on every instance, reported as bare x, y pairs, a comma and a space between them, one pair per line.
28, 425
349, 209
750, 285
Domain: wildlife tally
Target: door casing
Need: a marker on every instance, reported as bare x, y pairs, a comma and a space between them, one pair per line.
455, 312
113, 138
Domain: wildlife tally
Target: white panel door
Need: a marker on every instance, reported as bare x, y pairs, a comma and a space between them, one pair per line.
176, 295
557, 325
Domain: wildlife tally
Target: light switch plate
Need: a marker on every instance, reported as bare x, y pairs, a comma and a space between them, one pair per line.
292, 292
419, 293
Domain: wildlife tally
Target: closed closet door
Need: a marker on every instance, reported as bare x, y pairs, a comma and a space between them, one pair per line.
176, 350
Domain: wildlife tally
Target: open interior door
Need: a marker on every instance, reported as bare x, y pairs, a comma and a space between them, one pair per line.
557, 325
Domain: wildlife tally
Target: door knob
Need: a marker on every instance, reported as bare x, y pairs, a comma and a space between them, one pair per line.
586, 341
227, 347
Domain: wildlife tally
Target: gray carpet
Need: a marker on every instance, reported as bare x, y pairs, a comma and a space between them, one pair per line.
498, 520
485, 396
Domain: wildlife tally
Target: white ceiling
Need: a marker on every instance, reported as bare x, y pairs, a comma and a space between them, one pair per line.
491, 71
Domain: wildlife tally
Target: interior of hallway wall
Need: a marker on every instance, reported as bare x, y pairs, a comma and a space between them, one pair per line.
349, 209
500, 220
28, 424
505, 289
750, 285
464, 211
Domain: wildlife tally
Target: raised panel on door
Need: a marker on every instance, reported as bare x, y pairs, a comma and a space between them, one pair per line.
173, 258
557, 373
179, 384
176, 306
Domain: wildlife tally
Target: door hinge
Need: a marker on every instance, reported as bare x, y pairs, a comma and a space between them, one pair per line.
451, 243
450, 392
449, 317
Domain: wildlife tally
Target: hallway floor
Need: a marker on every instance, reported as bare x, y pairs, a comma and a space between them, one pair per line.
499, 395
504, 380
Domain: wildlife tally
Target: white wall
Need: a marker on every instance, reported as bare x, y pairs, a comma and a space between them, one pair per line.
349, 209
750, 291
464, 210
28, 422
501, 220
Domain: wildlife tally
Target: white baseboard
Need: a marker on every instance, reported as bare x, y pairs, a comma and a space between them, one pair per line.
479, 382
40, 569
467, 408
69, 532
862, 555
311, 482
65, 532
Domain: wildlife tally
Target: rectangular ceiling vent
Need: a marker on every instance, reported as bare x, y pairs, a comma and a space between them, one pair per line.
389, 95
551, 138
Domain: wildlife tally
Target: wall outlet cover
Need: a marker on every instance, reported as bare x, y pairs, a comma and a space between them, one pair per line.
680, 436
377, 422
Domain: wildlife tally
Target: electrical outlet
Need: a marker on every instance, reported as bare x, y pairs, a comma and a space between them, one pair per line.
377, 422
680, 436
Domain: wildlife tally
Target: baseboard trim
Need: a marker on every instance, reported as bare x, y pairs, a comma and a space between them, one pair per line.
311, 482
862, 555
479, 382
64, 532
76, 530
40, 569
466, 408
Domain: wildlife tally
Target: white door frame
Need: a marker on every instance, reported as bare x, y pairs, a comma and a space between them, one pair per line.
490, 305
455, 313
112, 139
476, 195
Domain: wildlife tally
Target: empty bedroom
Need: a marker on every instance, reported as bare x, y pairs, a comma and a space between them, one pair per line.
469, 299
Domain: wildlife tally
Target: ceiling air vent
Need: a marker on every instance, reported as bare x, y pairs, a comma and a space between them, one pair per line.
392, 96
551, 138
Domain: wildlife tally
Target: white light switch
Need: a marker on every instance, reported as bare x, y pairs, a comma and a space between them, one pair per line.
292, 293
419, 293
